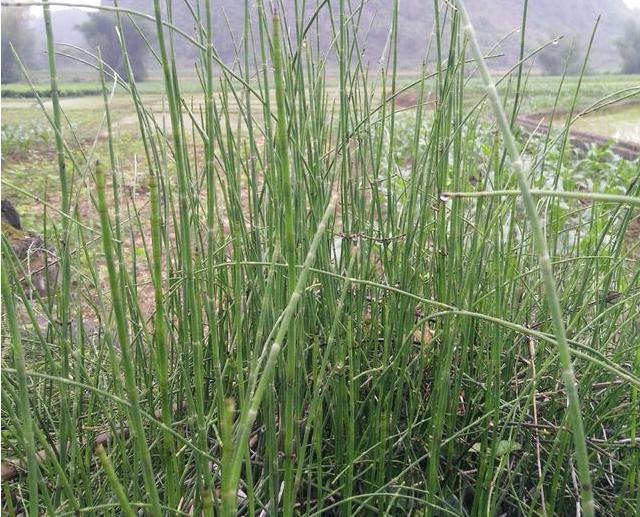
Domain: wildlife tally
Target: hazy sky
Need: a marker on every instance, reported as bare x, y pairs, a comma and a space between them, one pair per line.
92, 2
630, 3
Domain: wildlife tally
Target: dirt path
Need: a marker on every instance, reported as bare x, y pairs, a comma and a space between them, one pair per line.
539, 122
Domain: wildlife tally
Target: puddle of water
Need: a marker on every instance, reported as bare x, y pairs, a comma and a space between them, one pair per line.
619, 124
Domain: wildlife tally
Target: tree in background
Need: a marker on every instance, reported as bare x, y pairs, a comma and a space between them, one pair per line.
100, 31
16, 29
629, 48
563, 55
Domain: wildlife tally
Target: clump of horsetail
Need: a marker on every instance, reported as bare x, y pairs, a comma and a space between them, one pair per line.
568, 374
137, 426
392, 371
23, 387
250, 412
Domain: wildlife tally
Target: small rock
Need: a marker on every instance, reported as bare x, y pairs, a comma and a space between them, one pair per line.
38, 261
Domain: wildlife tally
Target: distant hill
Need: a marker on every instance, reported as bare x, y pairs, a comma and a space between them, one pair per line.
573, 19
494, 19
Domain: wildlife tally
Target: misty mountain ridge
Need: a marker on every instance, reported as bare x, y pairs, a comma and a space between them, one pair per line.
495, 20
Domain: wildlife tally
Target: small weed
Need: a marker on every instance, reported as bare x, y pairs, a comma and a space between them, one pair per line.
21, 138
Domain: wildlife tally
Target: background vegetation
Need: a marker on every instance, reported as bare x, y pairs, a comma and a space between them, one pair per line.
497, 23
17, 31
626, 44
98, 32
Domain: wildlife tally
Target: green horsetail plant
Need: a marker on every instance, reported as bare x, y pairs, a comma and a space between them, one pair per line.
568, 375
231, 477
160, 336
252, 148
137, 427
125, 506
288, 239
193, 320
420, 348
65, 259
33, 472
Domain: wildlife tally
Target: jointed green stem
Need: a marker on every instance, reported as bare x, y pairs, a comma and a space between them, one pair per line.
568, 375
586, 196
288, 237
249, 414
23, 387
137, 428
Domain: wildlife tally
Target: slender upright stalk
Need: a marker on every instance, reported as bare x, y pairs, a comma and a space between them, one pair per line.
55, 101
282, 146
288, 237
33, 472
249, 414
137, 428
252, 144
192, 321
523, 33
65, 259
212, 202
160, 334
568, 375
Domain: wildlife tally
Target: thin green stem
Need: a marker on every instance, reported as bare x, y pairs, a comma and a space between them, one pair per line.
137, 427
250, 413
568, 375
584, 196
33, 472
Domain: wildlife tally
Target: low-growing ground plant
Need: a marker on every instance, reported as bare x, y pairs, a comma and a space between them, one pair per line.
22, 91
294, 294
20, 138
